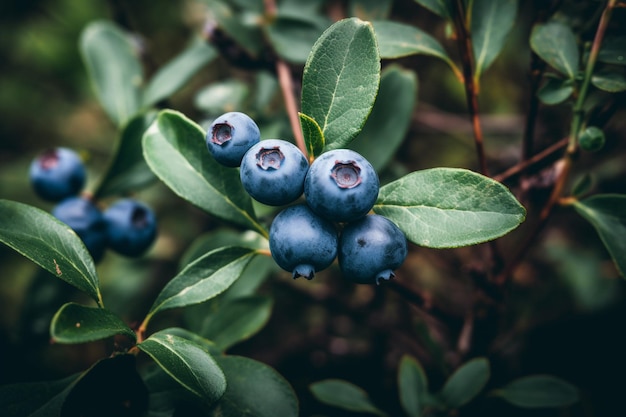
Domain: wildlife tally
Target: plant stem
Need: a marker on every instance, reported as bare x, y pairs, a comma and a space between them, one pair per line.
535, 159
567, 160
471, 85
286, 85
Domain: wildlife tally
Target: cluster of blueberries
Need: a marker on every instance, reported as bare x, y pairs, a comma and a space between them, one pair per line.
128, 226
340, 188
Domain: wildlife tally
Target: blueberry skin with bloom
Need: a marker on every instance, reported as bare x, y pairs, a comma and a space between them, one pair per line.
82, 216
341, 185
273, 171
370, 249
57, 173
301, 242
131, 227
230, 136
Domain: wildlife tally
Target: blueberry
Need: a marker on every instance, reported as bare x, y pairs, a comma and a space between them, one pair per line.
131, 227
57, 173
370, 249
341, 185
86, 220
301, 242
230, 136
273, 171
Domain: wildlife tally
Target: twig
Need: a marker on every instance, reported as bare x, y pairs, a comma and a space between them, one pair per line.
471, 88
535, 159
286, 85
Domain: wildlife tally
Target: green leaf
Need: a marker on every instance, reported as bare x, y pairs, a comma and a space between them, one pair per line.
340, 80
466, 383
237, 320
313, 136
388, 124
610, 80
396, 40
75, 323
555, 91
204, 278
491, 22
439, 7
556, 44
255, 390
221, 97
413, 386
293, 37
539, 391
174, 148
613, 50
36, 399
248, 37
114, 69
128, 170
175, 74
449, 207
191, 366
607, 214
345, 395
50, 244
370, 9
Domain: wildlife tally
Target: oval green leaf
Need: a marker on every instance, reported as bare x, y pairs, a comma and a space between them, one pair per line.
175, 74
613, 50
190, 365
607, 214
293, 37
613, 81
466, 383
237, 320
539, 391
33, 399
449, 207
389, 121
204, 278
128, 170
254, 389
313, 136
222, 96
345, 395
556, 44
75, 323
114, 69
491, 22
50, 244
555, 91
442, 8
174, 148
413, 386
340, 80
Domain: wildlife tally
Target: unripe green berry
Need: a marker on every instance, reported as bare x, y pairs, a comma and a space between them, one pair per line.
591, 139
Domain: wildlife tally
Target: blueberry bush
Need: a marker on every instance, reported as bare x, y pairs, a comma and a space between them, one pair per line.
258, 217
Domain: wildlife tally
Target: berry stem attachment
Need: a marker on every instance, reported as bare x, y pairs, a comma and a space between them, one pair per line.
286, 85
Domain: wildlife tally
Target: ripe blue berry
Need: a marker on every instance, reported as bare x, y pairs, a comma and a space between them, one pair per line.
131, 227
86, 220
370, 249
341, 185
230, 136
301, 242
273, 171
57, 174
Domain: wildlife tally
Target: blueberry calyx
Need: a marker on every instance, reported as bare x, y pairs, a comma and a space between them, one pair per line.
387, 274
347, 174
306, 271
269, 158
222, 132
139, 217
49, 159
